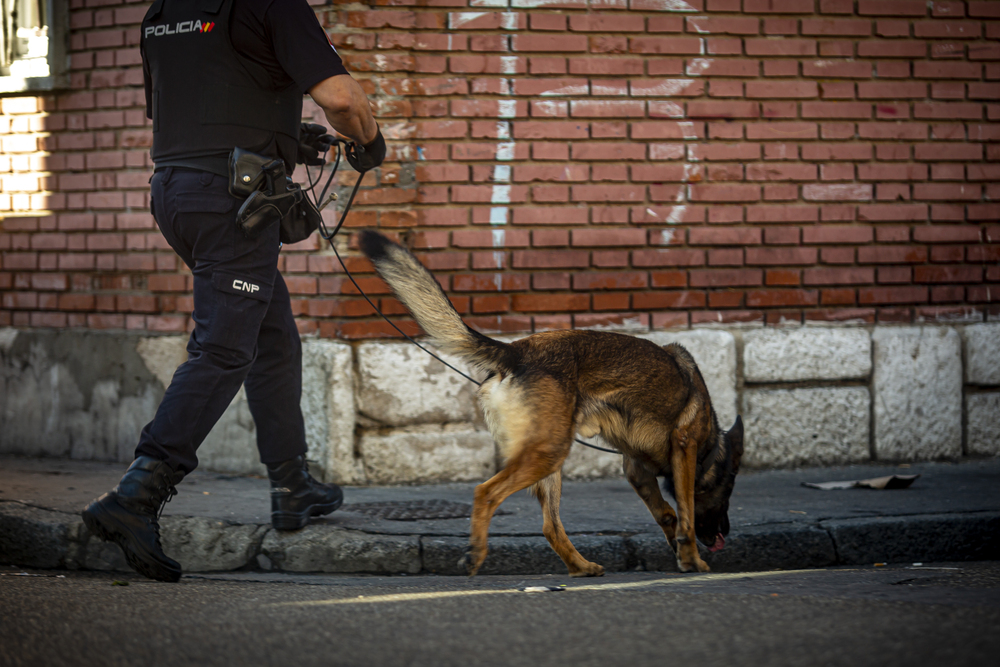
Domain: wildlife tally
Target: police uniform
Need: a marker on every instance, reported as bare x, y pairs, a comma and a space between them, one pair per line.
221, 74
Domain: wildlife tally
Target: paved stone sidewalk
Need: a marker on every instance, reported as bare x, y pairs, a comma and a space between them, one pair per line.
219, 523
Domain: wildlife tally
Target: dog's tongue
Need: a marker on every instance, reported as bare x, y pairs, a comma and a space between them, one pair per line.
720, 542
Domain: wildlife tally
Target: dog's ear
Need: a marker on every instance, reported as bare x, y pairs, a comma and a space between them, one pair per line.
734, 437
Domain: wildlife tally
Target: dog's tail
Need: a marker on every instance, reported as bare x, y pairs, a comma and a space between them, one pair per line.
423, 297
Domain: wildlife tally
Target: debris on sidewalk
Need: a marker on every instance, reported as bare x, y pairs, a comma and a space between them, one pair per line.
544, 589
890, 482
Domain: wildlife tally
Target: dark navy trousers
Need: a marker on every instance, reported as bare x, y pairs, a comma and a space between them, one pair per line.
244, 332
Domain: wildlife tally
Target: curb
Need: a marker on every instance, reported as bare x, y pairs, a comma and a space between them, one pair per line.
35, 537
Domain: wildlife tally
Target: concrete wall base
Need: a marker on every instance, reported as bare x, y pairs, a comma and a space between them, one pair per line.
386, 413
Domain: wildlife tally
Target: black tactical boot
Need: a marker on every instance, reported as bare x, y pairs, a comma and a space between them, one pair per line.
296, 496
129, 516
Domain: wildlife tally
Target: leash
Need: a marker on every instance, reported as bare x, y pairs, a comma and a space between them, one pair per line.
322, 201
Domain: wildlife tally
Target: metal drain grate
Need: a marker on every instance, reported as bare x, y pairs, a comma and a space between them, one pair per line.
414, 510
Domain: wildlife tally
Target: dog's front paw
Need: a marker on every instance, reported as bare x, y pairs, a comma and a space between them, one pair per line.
471, 561
587, 569
695, 565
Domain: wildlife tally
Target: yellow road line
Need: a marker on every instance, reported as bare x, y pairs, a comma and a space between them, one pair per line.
439, 595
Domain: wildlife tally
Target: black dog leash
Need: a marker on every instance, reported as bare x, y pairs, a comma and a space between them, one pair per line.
321, 202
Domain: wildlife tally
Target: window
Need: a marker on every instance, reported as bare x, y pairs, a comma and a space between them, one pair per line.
33, 45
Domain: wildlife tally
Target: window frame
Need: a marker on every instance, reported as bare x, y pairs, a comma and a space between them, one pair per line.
58, 56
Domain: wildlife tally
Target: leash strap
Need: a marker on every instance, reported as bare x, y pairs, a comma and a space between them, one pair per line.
329, 238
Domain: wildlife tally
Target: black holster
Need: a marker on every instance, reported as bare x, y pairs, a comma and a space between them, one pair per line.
271, 197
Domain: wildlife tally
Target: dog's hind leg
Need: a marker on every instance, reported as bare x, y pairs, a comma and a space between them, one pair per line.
533, 463
548, 492
532, 423
643, 480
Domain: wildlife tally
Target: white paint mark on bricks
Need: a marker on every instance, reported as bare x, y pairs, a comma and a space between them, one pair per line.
697, 66
670, 109
535, 4
508, 64
571, 89
498, 215
501, 194
666, 236
671, 6
668, 87
676, 215
507, 109
508, 20
694, 23
458, 19
505, 151
501, 173
488, 3
503, 130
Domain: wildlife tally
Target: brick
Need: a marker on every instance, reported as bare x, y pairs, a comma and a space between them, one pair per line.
782, 89
892, 172
838, 234
893, 49
780, 47
664, 45
946, 191
527, 303
852, 192
606, 23
947, 29
780, 256
892, 8
724, 25
778, 6
947, 70
946, 111
892, 255
836, 110
836, 69
780, 172
722, 67
659, 258
607, 108
551, 87
667, 88
609, 281
726, 277
836, 27
724, 193
949, 151
724, 236
946, 234
986, 9
838, 276
891, 90
891, 295
781, 297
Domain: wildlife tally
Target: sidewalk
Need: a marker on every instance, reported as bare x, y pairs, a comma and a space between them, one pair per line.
220, 523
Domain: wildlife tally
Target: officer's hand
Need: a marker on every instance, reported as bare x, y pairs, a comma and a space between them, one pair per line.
365, 158
313, 140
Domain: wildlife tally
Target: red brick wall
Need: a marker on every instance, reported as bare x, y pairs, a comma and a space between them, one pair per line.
570, 163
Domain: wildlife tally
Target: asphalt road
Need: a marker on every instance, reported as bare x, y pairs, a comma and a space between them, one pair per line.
935, 614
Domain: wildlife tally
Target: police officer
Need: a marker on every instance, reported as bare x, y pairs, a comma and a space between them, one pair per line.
222, 74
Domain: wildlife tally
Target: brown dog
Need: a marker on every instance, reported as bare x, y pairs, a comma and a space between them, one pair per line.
648, 402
